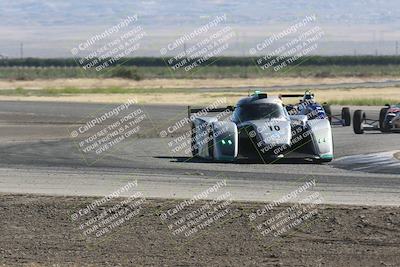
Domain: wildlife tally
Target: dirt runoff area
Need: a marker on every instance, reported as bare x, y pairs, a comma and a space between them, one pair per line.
45, 231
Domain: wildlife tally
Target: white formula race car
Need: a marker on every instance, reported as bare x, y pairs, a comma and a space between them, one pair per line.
308, 105
260, 128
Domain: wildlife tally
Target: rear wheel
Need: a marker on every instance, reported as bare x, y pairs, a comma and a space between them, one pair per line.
328, 112
358, 119
382, 116
346, 116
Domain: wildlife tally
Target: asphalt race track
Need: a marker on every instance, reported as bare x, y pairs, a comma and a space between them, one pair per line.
37, 155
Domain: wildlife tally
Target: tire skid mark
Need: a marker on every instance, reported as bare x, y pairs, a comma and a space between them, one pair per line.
383, 162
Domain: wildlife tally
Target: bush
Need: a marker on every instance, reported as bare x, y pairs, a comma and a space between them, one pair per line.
323, 74
214, 61
126, 73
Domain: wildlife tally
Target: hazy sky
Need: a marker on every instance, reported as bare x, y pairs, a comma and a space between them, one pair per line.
51, 28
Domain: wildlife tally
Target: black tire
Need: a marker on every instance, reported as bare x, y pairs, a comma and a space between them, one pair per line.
210, 143
382, 115
195, 150
346, 116
328, 112
321, 161
358, 119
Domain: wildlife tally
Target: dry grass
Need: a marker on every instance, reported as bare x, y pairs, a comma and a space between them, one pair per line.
179, 83
194, 98
179, 91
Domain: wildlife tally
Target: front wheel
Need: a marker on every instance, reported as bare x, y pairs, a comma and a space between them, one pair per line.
328, 112
358, 119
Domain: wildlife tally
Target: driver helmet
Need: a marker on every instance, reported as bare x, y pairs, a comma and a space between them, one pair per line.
308, 96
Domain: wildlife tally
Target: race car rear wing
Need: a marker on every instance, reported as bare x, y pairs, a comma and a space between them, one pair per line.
208, 110
290, 95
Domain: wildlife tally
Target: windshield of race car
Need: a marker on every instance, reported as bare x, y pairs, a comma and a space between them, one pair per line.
257, 112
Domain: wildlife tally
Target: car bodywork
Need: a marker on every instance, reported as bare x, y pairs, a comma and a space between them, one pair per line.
389, 120
314, 110
261, 128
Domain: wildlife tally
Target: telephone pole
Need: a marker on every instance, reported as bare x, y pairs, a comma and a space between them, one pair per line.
184, 48
397, 48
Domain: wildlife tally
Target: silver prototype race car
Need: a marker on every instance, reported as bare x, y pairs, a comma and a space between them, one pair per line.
260, 128
389, 120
